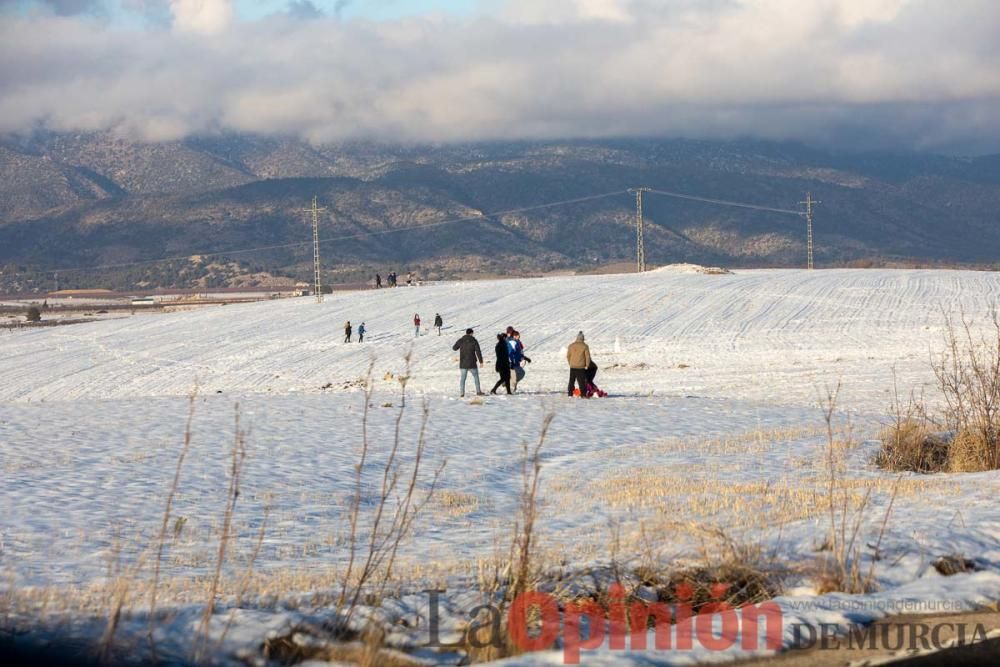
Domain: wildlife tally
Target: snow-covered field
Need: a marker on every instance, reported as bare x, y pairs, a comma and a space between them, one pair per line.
713, 423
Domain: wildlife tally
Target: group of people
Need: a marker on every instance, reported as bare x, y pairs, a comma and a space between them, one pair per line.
510, 358
391, 280
348, 330
438, 323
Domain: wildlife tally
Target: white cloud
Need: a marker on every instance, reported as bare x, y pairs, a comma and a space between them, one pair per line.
201, 16
905, 73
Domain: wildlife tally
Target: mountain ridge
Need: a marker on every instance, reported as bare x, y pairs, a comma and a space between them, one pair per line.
84, 200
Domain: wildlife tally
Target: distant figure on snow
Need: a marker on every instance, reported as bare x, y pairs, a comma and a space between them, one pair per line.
469, 355
503, 364
378, 281
438, 322
361, 333
416, 325
347, 332
409, 279
578, 356
517, 356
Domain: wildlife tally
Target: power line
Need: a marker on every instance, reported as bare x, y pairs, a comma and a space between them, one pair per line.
723, 202
347, 237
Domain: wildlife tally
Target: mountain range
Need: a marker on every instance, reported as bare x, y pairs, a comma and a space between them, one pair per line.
230, 210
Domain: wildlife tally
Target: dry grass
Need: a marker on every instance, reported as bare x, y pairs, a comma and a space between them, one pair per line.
968, 383
305, 643
912, 446
973, 450
954, 564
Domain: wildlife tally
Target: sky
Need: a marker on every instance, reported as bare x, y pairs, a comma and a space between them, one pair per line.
903, 75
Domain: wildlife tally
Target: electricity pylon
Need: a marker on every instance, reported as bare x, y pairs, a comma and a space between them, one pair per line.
640, 245
315, 210
809, 203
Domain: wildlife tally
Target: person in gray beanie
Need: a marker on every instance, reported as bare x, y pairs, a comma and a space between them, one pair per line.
578, 356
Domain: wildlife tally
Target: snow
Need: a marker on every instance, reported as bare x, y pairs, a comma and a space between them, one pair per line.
713, 420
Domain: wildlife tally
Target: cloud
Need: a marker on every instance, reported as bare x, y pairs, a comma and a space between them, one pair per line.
339, 6
903, 74
64, 7
304, 10
201, 16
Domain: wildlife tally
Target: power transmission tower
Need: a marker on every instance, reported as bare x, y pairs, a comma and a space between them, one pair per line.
315, 210
640, 246
809, 203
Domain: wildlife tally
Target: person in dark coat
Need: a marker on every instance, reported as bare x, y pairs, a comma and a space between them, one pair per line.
470, 358
361, 333
347, 332
438, 322
378, 281
503, 364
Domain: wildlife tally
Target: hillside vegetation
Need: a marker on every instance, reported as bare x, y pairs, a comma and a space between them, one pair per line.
94, 199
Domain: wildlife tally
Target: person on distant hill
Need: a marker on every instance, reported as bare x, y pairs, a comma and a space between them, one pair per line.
378, 281
416, 325
361, 333
392, 279
347, 332
517, 356
503, 363
578, 356
409, 279
438, 322
469, 355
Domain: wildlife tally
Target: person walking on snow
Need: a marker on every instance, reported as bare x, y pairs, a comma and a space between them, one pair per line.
503, 363
517, 356
438, 322
347, 332
378, 281
578, 357
361, 333
469, 355
416, 325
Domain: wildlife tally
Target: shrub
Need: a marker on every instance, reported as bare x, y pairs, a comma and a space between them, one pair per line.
909, 445
968, 380
34, 314
968, 375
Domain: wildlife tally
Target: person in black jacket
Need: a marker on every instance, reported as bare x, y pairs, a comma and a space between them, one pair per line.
347, 332
503, 364
468, 356
438, 322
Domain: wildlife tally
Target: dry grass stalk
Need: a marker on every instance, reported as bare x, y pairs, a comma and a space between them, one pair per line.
841, 570
238, 454
373, 556
524, 529
247, 575
161, 538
